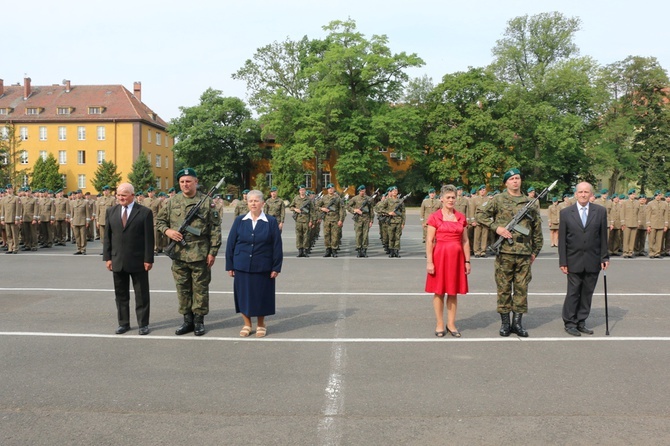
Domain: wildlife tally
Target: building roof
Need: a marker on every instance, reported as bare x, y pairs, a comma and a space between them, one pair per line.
115, 101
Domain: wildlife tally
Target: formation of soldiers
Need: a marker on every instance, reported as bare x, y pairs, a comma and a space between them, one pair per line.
634, 221
41, 219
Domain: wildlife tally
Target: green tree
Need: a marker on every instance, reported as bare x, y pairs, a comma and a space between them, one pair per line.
141, 175
106, 175
217, 138
45, 174
10, 150
550, 96
328, 99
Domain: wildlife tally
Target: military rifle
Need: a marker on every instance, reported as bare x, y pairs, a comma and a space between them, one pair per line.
514, 225
303, 209
186, 224
386, 217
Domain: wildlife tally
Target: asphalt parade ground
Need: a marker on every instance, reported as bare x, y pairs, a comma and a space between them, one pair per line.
350, 359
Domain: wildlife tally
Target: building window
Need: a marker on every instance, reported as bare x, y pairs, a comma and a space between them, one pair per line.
81, 157
63, 178
62, 133
383, 149
101, 133
24, 133
308, 181
63, 110
166, 161
43, 155
149, 157
158, 183
158, 139
268, 179
95, 110
62, 157
23, 157
81, 181
5, 159
4, 111
43, 133
166, 140
167, 183
158, 161
101, 156
32, 111
326, 178
148, 135
4, 133
81, 133
24, 180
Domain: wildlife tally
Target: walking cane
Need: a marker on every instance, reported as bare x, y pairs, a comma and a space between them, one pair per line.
607, 323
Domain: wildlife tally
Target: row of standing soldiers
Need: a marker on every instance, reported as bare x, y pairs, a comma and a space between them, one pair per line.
634, 221
310, 211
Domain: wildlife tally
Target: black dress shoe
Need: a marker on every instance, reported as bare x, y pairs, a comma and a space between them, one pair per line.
78, 253
122, 329
144, 330
583, 329
572, 331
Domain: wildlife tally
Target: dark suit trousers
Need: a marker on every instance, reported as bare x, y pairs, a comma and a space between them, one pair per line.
577, 305
122, 292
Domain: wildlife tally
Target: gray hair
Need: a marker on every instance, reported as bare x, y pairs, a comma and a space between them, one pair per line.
447, 188
127, 187
256, 193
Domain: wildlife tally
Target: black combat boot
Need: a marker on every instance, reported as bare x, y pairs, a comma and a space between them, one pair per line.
517, 327
397, 253
364, 252
358, 253
505, 328
301, 252
199, 328
187, 326
329, 252
334, 252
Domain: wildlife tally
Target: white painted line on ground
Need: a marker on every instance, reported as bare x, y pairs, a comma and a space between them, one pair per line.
334, 340
330, 293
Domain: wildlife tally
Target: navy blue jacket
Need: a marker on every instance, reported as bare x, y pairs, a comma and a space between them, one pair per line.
254, 250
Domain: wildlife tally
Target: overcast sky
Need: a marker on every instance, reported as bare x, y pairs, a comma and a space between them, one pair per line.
178, 49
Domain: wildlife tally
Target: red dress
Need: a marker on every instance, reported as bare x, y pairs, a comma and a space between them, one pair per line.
448, 256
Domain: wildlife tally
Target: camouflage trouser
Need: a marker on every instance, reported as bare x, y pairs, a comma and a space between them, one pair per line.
331, 234
362, 228
394, 231
512, 270
192, 280
302, 234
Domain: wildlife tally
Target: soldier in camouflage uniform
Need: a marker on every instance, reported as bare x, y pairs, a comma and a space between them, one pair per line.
513, 263
429, 205
191, 263
361, 206
241, 207
331, 206
275, 206
393, 210
302, 208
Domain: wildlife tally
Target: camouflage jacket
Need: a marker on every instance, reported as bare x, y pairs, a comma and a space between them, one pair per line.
500, 210
276, 208
335, 205
304, 204
208, 221
390, 205
365, 204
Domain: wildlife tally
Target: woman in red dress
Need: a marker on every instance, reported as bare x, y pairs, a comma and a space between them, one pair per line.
448, 260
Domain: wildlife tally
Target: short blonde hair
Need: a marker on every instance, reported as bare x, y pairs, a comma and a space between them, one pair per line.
446, 189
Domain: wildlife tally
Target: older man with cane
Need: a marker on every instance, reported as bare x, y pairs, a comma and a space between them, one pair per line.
582, 252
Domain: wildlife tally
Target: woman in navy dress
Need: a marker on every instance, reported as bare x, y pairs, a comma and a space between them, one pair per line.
448, 260
254, 256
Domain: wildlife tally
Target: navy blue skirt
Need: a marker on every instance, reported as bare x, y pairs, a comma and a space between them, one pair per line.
254, 293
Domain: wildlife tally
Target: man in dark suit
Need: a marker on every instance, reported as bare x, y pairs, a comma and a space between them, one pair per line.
582, 253
128, 249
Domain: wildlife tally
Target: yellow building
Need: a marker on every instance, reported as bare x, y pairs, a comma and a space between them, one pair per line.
83, 125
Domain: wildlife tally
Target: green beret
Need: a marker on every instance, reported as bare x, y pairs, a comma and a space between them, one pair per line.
473, 190
431, 190
631, 191
245, 191
667, 194
392, 188
459, 187
597, 195
9, 186
307, 192
554, 198
78, 191
189, 172
329, 185
603, 191
622, 197
171, 189
105, 187
151, 189
642, 196
360, 188
657, 192
531, 189
59, 191
273, 189
302, 186
510, 173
